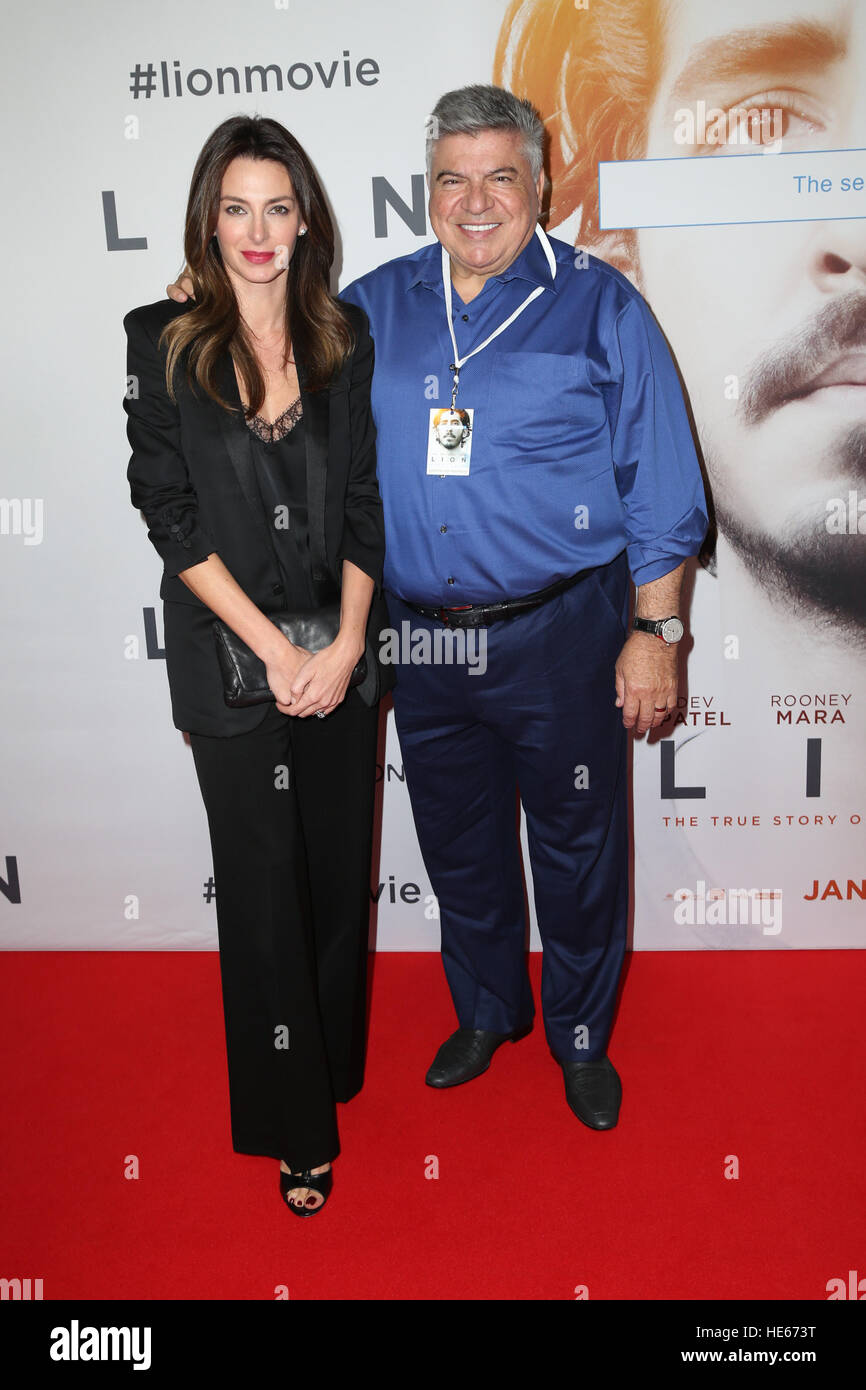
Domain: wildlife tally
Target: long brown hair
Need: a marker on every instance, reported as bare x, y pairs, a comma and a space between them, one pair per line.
316, 325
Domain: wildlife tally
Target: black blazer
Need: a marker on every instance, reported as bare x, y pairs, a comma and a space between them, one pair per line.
192, 475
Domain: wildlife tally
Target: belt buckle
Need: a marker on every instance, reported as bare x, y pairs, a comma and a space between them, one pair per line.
458, 608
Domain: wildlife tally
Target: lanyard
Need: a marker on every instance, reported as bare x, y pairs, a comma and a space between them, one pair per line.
446, 285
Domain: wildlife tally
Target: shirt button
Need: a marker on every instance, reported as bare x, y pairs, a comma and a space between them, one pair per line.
450, 581
443, 529
277, 589
465, 318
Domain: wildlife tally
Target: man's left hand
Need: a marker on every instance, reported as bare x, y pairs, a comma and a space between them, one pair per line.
646, 681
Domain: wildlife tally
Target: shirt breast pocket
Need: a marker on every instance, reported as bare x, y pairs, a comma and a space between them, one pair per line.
539, 404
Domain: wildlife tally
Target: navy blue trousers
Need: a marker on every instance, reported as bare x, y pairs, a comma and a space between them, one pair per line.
540, 723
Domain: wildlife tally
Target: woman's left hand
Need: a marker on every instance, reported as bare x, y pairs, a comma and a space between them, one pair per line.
322, 681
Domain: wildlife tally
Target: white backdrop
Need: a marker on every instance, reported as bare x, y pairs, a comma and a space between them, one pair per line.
103, 840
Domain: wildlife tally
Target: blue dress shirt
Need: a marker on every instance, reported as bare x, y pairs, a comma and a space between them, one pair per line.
581, 445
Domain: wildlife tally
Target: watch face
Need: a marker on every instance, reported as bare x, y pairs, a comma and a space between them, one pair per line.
672, 630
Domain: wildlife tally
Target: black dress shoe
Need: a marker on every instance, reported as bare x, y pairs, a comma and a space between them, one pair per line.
594, 1091
466, 1054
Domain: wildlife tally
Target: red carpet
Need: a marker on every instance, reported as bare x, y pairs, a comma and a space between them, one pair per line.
756, 1055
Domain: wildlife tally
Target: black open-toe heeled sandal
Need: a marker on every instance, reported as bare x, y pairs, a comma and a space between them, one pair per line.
317, 1182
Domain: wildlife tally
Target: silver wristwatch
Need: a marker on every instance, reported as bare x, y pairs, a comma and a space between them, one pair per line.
670, 630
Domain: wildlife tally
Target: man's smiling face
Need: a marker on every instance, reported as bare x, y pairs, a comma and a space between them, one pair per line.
484, 201
775, 312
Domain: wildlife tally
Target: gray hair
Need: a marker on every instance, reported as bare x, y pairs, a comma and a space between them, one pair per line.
469, 110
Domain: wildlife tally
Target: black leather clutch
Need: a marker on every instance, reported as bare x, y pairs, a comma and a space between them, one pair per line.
245, 680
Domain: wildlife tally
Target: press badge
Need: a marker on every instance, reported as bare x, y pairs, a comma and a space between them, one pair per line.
449, 441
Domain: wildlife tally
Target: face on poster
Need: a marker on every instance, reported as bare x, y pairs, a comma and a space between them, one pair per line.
767, 322
768, 326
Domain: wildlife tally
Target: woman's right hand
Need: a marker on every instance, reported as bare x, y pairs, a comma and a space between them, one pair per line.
282, 666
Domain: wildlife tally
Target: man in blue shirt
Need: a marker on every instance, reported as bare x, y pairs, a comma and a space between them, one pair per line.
581, 463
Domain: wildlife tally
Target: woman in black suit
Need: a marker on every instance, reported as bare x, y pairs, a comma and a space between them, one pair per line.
253, 461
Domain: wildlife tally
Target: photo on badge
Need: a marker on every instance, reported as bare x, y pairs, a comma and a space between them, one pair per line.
449, 441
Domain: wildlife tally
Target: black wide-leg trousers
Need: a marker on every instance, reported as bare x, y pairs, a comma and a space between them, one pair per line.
290, 811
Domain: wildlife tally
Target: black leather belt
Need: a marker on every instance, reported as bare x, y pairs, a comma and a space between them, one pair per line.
480, 615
